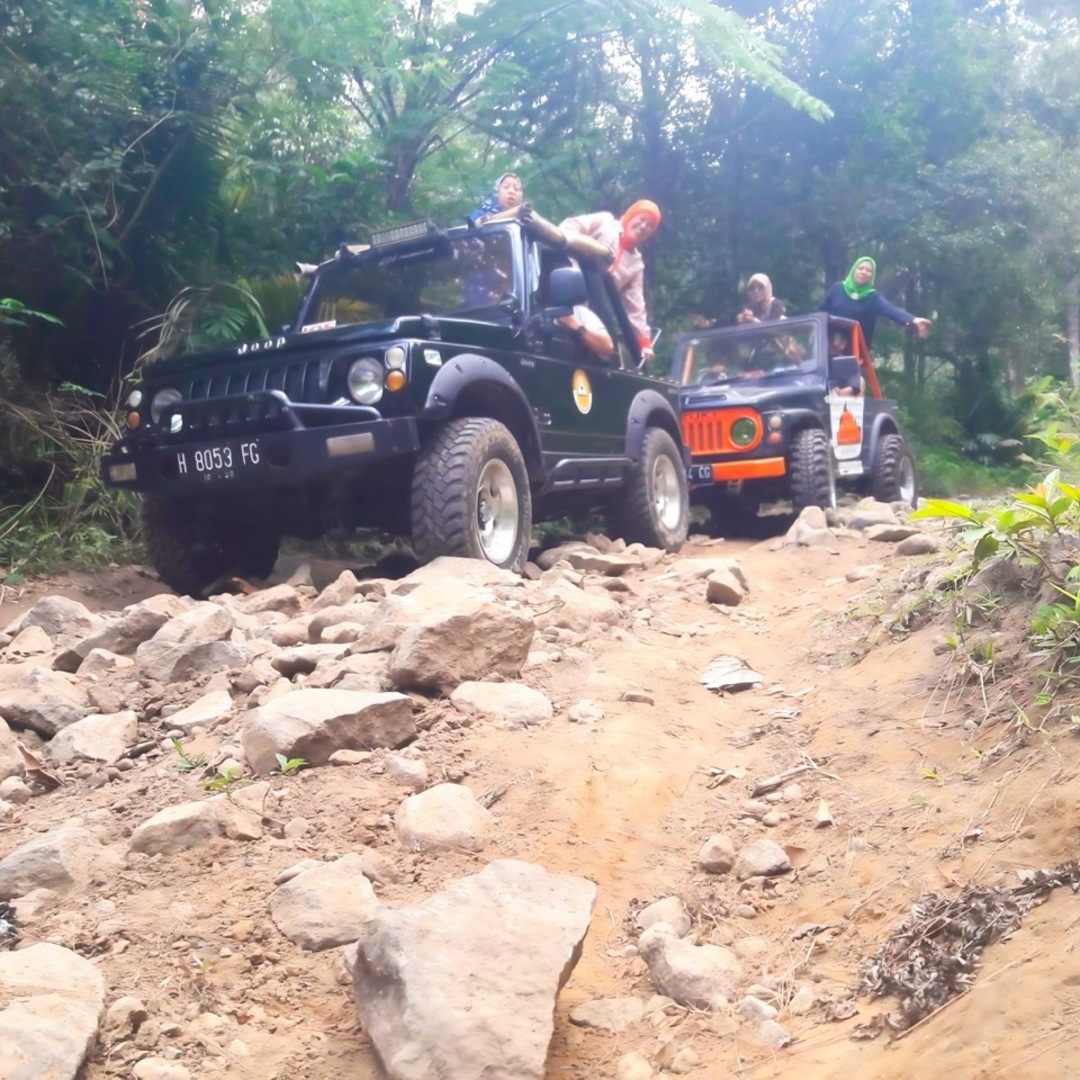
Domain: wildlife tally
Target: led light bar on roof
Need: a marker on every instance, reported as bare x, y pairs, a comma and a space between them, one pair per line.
396, 234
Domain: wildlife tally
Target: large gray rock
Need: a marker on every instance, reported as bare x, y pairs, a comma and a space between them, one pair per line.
100, 663
670, 910
454, 569
357, 613
63, 859
445, 816
205, 712
183, 646
11, 763
30, 641
280, 598
561, 604
762, 858
360, 671
338, 592
176, 663
513, 704
330, 904
463, 985
122, 634
722, 587
394, 614
54, 1004
613, 1015
717, 855
58, 616
96, 738
700, 976
303, 659
236, 815
44, 701
890, 534
312, 724
610, 565
919, 544
554, 555
468, 638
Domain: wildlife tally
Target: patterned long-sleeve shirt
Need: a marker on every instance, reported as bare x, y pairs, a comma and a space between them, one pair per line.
628, 269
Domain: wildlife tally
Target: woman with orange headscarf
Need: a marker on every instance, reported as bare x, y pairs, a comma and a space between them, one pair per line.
623, 236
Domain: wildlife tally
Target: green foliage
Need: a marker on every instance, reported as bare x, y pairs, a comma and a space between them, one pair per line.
199, 318
54, 508
1021, 528
224, 776
289, 766
184, 763
16, 313
945, 473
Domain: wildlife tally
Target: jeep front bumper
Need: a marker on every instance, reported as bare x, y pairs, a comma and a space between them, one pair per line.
256, 459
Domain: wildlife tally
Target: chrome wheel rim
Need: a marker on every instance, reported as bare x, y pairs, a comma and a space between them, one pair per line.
666, 493
497, 511
906, 480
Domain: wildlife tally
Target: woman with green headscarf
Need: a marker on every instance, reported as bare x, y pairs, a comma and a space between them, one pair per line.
856, 298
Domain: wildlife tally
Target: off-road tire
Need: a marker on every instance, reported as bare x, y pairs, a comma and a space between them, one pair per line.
810, 467
192, 550
653, 507
893, 470
446, 496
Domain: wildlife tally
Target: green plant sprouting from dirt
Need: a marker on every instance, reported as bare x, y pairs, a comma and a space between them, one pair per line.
184, 762
225, 775
1038, 531
289, 766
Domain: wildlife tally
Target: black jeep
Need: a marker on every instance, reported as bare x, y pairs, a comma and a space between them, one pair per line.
787, 410
428, 386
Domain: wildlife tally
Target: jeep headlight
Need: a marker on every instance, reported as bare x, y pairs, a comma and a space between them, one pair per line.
743, 431
162, 400
365, 381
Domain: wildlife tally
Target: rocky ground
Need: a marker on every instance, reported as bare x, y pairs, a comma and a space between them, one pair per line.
637, 815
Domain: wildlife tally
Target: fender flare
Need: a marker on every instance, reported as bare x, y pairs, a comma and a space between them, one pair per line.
652, 405
884, 424
797, 419
468, 370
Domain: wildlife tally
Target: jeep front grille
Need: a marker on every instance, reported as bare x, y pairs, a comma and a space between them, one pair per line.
708, 431
302, 381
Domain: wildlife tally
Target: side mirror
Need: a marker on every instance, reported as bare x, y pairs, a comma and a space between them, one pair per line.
844, 371
567, 287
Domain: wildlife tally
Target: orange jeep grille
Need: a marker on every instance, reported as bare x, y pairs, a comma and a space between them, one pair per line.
708, 431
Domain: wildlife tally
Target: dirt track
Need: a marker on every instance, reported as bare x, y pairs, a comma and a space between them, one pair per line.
628, 802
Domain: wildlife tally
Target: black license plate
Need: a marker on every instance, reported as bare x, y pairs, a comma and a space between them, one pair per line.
224, 462
699, 474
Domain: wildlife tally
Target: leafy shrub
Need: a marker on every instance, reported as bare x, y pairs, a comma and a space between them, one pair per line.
54, 508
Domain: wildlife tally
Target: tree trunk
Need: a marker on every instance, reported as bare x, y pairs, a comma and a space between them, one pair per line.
1072, 329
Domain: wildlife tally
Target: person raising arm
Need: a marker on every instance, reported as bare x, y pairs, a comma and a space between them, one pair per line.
623, 237
856, 298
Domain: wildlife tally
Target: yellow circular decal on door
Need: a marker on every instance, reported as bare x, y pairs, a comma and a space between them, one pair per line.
582, 391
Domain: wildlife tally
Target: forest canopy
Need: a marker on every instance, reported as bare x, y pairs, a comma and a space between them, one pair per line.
153, 146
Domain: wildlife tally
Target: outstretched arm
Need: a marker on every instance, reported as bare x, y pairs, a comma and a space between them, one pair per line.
904, 318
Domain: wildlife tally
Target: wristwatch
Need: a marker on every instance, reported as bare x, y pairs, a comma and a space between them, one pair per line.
580, 331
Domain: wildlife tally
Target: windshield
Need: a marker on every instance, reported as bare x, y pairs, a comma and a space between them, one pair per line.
449, 277
772, 350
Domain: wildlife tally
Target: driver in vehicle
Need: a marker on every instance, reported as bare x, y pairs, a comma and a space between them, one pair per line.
587, 326
840, 345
